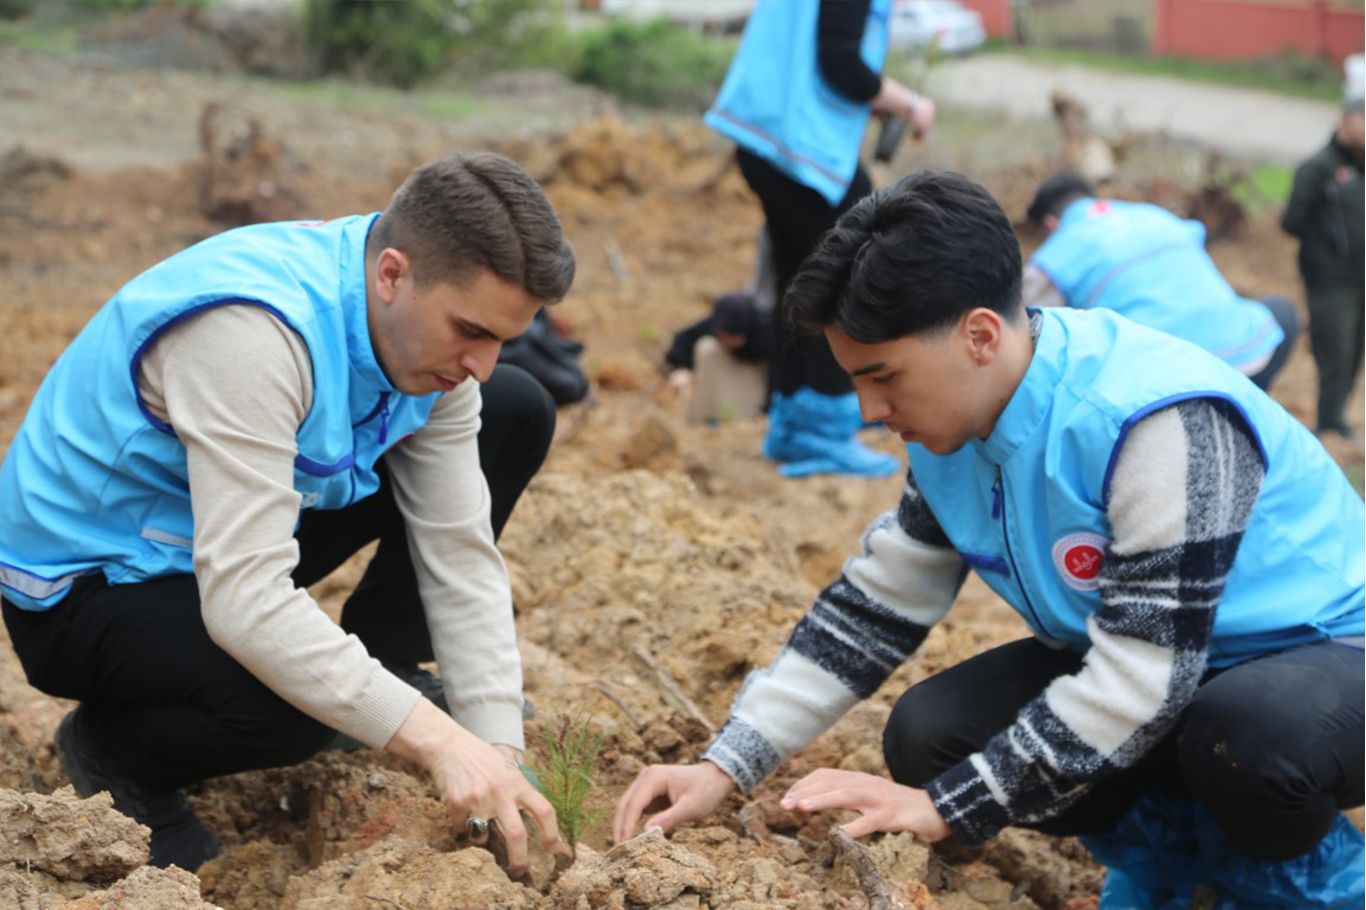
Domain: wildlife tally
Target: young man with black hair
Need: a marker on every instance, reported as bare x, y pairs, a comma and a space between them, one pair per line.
1145, 263
1188, 557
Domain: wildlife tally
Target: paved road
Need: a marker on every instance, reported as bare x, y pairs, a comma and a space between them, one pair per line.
1254, 125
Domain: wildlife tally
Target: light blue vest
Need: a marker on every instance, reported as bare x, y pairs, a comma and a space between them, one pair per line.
776, 104
94, 482
1026, 506
1142, 261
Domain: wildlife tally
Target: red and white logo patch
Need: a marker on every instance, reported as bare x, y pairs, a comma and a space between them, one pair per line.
1077, 557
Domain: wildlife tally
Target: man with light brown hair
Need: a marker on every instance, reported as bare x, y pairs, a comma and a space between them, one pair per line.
234, 424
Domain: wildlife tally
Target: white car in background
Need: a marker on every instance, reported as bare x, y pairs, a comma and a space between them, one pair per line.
918, 25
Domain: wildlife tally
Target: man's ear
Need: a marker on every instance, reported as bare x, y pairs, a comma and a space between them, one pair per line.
1051, 222
983, 330
390, 266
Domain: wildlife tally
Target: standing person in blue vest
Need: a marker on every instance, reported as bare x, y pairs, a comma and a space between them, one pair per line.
230, 427
1145, 263
1187, 555
797, 99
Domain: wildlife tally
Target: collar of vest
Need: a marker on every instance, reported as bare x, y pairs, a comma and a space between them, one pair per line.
1033, 398
355, 305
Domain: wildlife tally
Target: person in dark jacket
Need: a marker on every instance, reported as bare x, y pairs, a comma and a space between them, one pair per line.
718, 363
1325, 213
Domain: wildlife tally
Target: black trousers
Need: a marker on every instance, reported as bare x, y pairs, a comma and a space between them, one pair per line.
1337, 325
797, 216
1272, 748
166, 706
1289, 321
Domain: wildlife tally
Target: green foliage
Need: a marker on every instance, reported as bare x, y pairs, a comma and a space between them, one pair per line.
395, 43
406, 43
507, 34
1266, 187
653, 63
568, 776
16, 9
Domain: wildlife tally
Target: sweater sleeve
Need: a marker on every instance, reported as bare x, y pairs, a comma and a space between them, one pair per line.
839, 43
860, 629
1183, 489
236, 383
462, 579
680, 353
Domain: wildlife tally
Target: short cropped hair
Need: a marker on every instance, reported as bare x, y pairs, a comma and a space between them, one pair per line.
462, 213
911, 258
1056, 193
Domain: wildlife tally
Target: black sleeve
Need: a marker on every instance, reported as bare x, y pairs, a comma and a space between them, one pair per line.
679, 354
839, 35
1299, 209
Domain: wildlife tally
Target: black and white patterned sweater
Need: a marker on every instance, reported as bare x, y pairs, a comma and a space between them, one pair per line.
1181, 494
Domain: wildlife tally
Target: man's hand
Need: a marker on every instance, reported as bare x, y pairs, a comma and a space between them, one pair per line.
687, 792
477, 780
883, 805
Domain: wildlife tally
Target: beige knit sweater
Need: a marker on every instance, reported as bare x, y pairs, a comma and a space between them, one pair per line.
236, 383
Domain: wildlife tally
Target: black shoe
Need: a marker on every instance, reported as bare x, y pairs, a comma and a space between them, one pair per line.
178, 836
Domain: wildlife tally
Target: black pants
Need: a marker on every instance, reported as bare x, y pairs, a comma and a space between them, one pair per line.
797, 216
1272, 747
166, 706
1337, 318
1286, 318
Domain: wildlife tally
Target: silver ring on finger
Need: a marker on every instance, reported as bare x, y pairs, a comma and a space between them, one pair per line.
478, 828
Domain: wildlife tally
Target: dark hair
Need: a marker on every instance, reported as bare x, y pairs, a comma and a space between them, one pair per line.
1056, 193
910, 258
462, 213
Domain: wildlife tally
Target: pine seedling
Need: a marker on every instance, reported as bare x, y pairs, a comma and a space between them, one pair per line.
568, 776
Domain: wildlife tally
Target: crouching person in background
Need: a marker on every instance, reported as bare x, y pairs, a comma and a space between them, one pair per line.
1187, 555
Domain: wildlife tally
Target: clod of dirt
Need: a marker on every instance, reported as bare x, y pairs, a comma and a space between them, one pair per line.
400, 873
653, 445
246, 176
146, 889
646, 871
71, 838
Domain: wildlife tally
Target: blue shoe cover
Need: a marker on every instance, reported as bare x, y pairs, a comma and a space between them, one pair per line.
1332, 875
1150, 856
1167, 849
812, 433
849, 456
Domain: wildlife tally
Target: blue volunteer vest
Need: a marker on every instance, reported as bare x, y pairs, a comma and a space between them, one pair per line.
94, 482
1026, 506
776, 104
1144, 262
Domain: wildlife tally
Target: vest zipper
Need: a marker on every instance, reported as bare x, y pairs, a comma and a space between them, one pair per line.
383, 417
998, 511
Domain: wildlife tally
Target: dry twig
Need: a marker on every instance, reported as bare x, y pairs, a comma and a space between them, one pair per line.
869, 878
612, 697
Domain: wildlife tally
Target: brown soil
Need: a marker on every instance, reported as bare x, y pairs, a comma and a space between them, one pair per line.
649, 557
